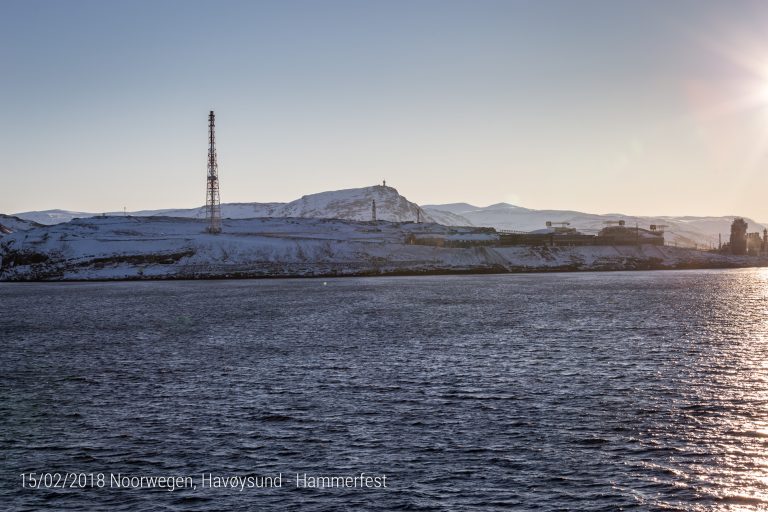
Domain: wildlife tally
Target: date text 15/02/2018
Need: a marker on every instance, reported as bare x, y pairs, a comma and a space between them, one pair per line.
58, 480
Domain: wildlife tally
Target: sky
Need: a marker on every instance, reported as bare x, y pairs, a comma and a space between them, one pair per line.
637, 107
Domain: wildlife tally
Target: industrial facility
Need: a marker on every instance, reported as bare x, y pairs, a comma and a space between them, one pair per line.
743, 243
555, 234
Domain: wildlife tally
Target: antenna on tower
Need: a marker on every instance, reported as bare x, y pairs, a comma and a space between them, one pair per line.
212, 199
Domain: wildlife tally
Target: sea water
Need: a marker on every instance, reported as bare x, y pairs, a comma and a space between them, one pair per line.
583, 391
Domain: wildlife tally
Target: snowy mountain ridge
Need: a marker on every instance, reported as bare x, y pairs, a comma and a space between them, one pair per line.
349, 204
355, 204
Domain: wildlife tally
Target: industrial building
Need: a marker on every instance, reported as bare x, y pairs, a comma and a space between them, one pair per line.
743, 243
556, 234
738, 240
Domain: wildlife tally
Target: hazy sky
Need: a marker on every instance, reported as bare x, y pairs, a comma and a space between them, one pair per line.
637, 107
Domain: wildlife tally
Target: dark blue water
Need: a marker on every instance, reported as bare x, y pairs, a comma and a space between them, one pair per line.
603, 391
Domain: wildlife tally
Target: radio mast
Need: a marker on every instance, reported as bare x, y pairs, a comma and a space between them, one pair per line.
212, 199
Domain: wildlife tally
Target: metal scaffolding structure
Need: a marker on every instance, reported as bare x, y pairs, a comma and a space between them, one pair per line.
212, 199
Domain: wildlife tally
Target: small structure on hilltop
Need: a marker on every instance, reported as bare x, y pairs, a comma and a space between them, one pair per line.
561, 228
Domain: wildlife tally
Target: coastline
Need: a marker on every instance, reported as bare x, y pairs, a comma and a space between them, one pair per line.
165, 248
384, 274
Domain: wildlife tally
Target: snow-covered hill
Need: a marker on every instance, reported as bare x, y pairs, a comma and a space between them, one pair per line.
48, 217
355, 204
229, 210
172, 248
10, 224
351, 204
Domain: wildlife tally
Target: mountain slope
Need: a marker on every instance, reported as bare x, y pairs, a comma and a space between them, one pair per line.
228, 210
10, 224
49, 217
350, 204
353, 204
